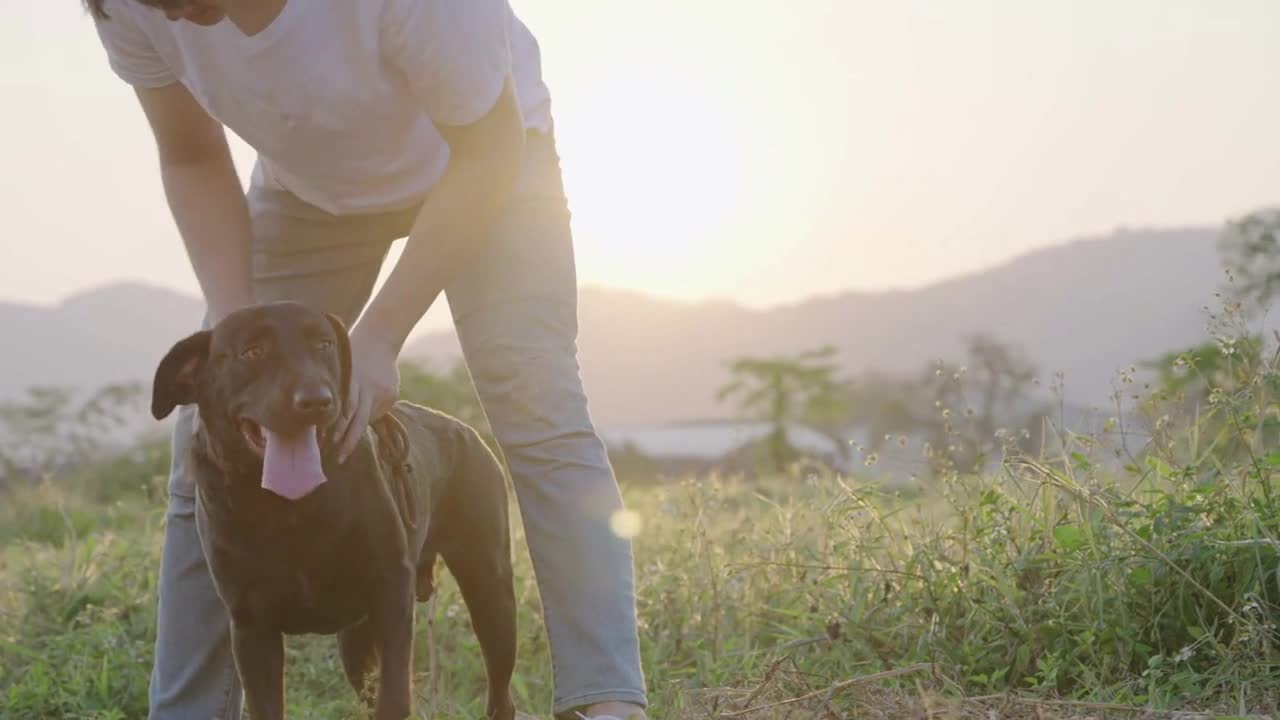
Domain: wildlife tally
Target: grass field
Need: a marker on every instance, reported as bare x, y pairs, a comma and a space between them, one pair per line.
1053, 587
1013, 589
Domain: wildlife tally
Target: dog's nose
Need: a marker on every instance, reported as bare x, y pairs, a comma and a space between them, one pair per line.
315, 399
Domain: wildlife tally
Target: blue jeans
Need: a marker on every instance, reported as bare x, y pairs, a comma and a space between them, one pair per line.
515, 311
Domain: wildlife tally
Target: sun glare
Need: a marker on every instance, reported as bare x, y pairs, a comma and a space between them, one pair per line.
654, 168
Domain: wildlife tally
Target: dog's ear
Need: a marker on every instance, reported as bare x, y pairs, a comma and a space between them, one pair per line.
178, 374
344, 354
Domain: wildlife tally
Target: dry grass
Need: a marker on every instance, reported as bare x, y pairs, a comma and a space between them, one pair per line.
787, 693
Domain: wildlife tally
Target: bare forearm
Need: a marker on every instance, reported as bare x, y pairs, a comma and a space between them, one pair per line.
449, 231
209, 209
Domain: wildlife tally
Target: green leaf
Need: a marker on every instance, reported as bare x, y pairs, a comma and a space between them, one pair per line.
1272, 380
1140, 576
1082, 462
104, 681
1069, 537
1159, 466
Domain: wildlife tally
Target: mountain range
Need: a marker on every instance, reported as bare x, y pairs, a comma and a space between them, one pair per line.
1086, 308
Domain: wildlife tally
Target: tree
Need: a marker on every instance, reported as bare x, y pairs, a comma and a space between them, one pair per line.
957, 408
1001, 379
1250, 249
1186, 378
53, 428
1218, 388
968, 404
886, 405
782, 388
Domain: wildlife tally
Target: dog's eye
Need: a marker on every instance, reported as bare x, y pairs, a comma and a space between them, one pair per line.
252, 352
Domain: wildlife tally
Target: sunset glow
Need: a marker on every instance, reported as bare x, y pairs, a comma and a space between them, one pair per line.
744, 150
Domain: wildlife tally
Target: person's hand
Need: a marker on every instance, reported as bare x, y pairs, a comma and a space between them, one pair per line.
374, 389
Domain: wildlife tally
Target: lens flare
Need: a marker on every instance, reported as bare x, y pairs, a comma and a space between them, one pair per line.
625, 523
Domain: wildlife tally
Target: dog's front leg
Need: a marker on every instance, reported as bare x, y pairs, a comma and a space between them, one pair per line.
259, 655
393, 623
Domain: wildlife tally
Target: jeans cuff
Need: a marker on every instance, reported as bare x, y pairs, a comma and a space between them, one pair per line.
564, 709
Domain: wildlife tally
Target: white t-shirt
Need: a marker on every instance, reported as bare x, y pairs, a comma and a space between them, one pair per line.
340, 97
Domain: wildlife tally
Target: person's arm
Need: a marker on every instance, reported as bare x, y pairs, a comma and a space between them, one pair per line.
204, 195
484, 160
457, 62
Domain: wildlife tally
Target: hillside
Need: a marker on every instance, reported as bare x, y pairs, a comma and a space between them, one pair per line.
1085, 308
109, 334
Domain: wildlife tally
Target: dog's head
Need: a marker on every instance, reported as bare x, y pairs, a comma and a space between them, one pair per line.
269, 381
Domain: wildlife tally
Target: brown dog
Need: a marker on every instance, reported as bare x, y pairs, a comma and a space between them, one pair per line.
297, 543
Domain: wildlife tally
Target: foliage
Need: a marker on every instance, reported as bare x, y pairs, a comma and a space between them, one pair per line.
1089, 571
1154, 585
967, 413
451, 392
51, 428
1220, 400
783, 388
1250, 248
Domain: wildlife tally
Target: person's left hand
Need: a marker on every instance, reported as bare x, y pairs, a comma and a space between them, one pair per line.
374, 389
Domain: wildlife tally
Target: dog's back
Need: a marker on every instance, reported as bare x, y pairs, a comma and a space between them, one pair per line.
440, 471
431, 449
464, 519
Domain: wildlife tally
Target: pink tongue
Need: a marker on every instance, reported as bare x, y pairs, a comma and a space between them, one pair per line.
291, 464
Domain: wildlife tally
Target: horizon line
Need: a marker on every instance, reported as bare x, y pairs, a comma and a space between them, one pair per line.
1116, 233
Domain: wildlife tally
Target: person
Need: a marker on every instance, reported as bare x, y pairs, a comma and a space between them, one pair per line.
375, 121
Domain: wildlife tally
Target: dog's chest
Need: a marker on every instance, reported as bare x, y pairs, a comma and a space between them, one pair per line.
316, 600
295, 585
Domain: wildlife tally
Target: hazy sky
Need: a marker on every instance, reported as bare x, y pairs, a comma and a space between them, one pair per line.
761, 150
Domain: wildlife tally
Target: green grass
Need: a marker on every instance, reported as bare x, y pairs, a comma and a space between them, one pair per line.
1070, 586
1162, 594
